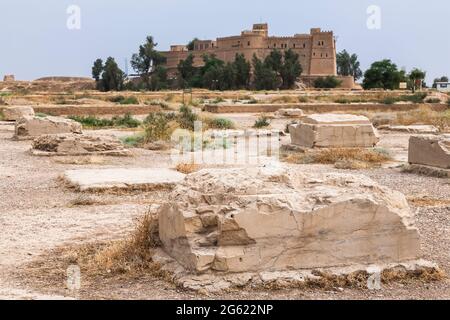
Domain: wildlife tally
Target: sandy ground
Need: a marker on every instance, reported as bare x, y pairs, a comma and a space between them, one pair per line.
36, 216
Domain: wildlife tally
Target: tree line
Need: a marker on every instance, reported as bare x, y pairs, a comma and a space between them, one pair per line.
279, 70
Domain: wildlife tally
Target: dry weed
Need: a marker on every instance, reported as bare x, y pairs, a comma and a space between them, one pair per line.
81, 160
187, 168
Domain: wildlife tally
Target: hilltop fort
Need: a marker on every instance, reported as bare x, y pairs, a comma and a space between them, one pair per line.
316, 50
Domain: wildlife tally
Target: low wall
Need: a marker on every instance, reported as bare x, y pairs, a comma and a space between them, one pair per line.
68, 110
320, 108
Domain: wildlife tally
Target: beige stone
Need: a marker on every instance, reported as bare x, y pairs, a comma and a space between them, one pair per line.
290, 113
9, 78
17, 112
427, 129
78, 144
93, 180
280, 219
32, 127
334, 131
430, 150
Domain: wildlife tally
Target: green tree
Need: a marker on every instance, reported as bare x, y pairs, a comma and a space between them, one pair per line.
329, 82
416, 76
348, 65
265, 78
191, 44
383, 75
112, 76
158, 80
290, 69
147, 60
97, 69
188, 74
242, 68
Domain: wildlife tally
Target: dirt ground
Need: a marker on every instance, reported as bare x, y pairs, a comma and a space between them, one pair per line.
37, 215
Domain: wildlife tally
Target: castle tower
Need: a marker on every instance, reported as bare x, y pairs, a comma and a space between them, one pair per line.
323, 53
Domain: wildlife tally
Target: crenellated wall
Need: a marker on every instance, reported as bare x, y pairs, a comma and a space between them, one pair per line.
316, 50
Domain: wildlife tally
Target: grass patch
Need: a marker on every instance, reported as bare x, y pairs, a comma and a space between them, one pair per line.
124, 100
284, 99
133, 141
126, 121
425, 115
84, 200
219, 123
218, 100
164, 105
262, 122
341, 158
159, 126
428, 202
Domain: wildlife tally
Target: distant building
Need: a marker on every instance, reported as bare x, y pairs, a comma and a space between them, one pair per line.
9, 78
316, 50
443, 86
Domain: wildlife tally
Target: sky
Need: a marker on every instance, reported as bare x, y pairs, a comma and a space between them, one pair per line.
35, 40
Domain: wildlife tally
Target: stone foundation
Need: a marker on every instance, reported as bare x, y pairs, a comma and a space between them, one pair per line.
430, 150
334, 131
32, 127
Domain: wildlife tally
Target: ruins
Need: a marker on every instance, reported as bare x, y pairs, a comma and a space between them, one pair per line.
239, 220
78, 145
31, 127
334, 131
17, 112
430, 150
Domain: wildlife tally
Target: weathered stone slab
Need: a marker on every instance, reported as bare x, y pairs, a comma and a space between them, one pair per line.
122, 179
78, 145
32, 127
430, 150
290, 113
17, 112
263, 219
426, 129
334, 131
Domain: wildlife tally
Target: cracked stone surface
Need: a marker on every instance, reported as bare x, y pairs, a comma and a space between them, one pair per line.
279, 219
32, 127
16, 112
78, 144
334, 131
430, 150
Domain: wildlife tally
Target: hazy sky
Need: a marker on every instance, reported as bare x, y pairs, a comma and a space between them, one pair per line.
36, 42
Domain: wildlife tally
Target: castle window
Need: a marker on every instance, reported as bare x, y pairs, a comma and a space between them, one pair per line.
248, 43
274, 45
304, 45
294, 45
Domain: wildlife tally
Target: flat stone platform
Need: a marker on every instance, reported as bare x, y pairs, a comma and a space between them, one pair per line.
122, 179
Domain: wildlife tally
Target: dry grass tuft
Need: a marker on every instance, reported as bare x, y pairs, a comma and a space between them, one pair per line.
425, 115
81, 160
84, 200
187, 168
342, 158
428, 202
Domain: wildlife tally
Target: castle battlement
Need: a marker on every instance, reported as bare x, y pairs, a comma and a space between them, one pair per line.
317, 51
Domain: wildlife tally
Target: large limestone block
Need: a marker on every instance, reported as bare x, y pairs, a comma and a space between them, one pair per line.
31, 127
430, 150
290, 113
78, 144
251, 220
334, 131
17, 112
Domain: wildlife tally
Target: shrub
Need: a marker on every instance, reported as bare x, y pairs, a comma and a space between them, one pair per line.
164, 105
124, 100
219, 123
159, 126
187, 168
252, 101
187, 118
303, 99
218, 100
389, 100
433, 100
262, 122
342, 101
133, 141
415, 98
126, 121
329, 82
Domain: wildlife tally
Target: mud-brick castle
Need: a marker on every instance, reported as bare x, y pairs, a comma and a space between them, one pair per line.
317, 50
